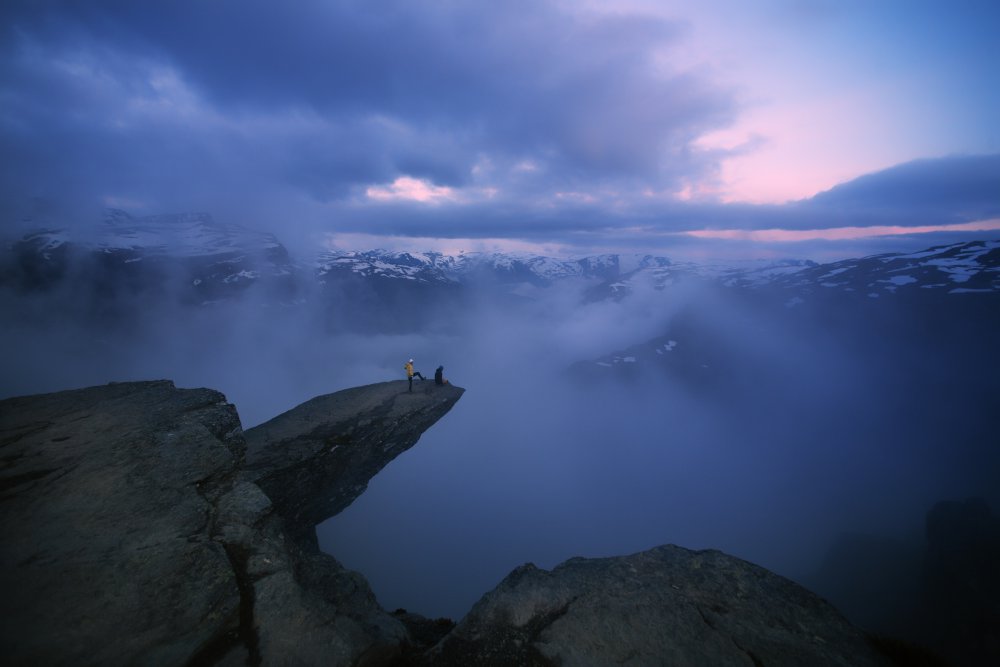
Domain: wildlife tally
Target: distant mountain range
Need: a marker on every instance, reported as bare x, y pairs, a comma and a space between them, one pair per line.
961, 268
188, 257
944, 301
230, 254
192, 259
503, 268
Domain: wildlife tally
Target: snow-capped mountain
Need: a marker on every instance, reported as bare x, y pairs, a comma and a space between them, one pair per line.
500, 268
960, 268
194, 260
183, 235
188, 254
418, 267
178, 236
955, 269
872, 304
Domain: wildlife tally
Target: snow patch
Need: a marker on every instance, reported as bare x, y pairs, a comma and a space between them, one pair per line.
834, 272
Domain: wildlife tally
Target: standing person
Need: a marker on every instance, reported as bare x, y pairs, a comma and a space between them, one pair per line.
410, 373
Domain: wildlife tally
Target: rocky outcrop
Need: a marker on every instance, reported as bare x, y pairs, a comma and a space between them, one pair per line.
107, 516
133, 533
315, 459
665, 606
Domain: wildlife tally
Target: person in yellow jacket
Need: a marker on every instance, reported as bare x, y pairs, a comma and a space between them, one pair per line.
410, 373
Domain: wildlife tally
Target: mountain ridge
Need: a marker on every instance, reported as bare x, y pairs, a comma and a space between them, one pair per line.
243, 256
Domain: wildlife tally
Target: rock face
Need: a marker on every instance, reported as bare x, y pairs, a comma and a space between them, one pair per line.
107, 517
134, 535
315, 459
665, 606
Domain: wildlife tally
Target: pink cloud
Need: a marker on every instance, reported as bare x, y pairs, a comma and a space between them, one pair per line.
407, 188
838, 233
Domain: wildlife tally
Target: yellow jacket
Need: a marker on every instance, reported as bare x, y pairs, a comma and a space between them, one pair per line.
409, 369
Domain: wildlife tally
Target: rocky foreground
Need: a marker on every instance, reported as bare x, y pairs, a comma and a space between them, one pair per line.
142, 525
135, 532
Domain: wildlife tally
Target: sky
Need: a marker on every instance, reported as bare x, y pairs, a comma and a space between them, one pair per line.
780, 127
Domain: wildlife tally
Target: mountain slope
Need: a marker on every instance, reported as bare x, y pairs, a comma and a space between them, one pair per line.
188, 258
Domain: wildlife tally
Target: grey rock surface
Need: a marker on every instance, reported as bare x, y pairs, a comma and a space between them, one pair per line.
106, 508
315, 459
664, 606
133, 534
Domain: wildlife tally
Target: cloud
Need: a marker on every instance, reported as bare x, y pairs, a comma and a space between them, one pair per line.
531, 122
928, 193
337, 97
947, 190
410, 189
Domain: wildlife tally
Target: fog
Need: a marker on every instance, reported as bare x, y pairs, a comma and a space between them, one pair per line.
803, 431
537, 465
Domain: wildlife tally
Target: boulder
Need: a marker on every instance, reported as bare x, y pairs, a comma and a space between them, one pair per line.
664, 606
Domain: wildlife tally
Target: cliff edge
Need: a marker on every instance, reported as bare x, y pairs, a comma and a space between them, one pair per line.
315, 459
134, 532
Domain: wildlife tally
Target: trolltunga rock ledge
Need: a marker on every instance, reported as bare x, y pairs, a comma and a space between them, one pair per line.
315, 459
141, 525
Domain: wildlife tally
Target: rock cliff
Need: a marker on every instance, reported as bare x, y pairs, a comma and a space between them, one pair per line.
141, 525
134, 533
315, 459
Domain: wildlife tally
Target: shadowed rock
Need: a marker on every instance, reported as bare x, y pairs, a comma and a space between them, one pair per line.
665, 606
315, 459
132, 534
106, 512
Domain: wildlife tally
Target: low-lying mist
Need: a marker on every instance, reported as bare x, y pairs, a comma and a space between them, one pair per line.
801, 443
797, 438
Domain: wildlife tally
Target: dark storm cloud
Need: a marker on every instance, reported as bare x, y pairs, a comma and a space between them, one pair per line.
145, 100
942, 191
545, 125
934, 192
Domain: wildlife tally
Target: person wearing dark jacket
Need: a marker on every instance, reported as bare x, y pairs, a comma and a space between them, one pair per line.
439, 376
